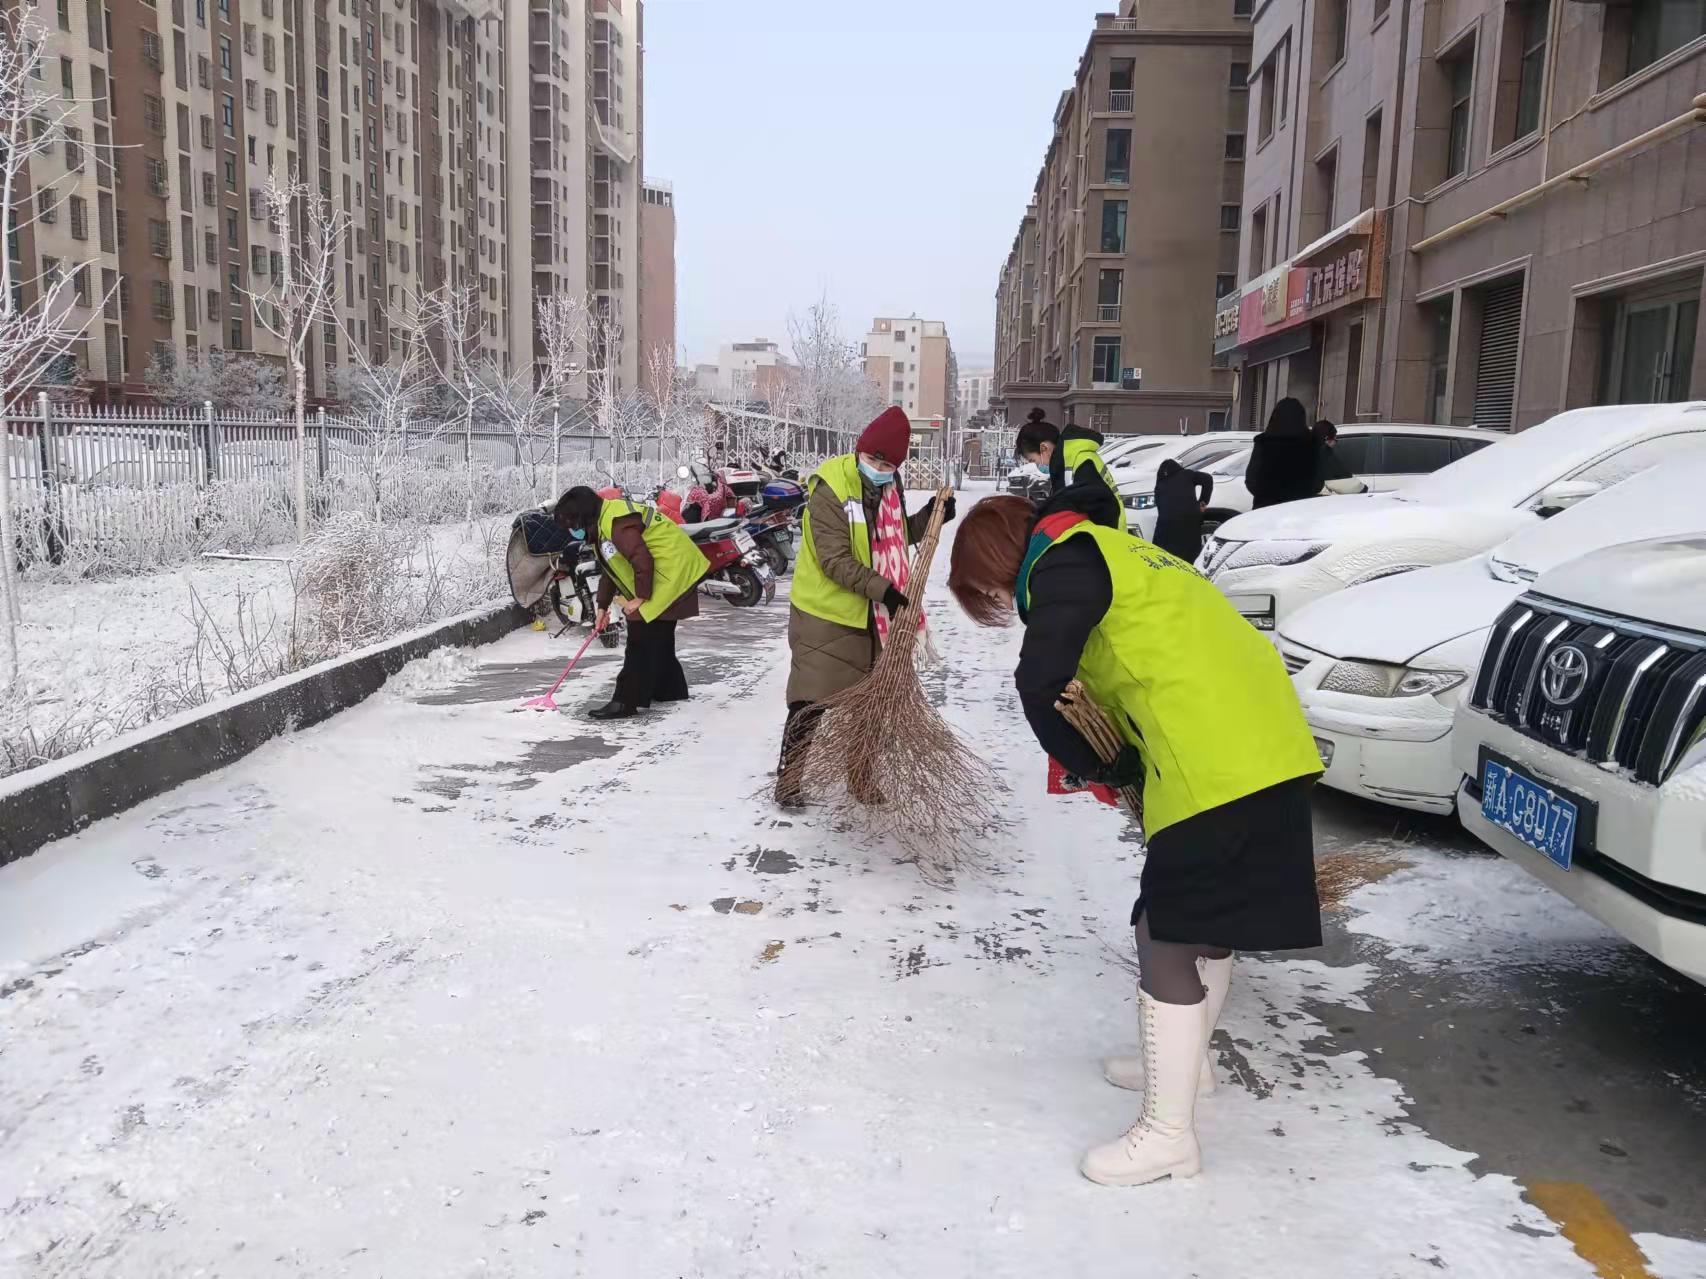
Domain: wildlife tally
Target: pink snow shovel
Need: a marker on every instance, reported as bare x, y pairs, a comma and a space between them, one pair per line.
548, 702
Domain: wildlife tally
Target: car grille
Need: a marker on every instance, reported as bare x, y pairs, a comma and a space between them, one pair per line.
1606, 689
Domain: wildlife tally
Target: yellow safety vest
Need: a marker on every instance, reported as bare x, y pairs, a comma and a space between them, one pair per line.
813, 592
1076, 452
677, 564
1197, 689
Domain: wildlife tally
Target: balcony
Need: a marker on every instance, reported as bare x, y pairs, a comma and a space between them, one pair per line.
1106, 314
1122, 101
618, 146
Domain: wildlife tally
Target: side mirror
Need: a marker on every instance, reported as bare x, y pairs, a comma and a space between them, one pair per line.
1565, 494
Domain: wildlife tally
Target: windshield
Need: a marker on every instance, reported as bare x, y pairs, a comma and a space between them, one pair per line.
1662, 500
1236, 464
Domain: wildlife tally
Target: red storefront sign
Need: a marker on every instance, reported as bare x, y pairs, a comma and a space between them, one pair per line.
1344, 267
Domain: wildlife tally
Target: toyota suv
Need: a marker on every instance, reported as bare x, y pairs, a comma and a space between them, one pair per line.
1583, 741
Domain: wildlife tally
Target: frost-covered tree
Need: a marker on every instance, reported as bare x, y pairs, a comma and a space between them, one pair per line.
241, 383
303, 295
40, 324
831, 392
563, 325
391, 401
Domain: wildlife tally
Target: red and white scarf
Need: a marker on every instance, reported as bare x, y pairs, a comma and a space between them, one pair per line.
889, 558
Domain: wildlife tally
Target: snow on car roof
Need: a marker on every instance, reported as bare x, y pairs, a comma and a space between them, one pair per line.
1512, 471
1661, 500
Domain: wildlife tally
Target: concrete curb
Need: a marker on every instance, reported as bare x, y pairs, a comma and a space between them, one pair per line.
59, 799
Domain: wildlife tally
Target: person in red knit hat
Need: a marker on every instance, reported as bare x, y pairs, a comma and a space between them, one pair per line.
849, 579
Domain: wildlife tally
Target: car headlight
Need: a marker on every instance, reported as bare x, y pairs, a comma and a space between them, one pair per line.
1274, 554
1140, 501
1382, 679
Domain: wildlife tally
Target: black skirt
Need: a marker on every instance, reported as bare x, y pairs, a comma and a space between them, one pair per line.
1240, 876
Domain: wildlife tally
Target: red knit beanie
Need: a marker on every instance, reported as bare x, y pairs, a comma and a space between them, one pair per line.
889, 437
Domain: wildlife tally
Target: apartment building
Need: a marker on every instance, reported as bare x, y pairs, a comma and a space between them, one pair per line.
911, 362
469, 143
657, 281
973, 394
1472, 211
1120, 255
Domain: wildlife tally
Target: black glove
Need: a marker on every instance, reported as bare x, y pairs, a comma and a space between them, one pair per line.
947, 513
894, 601
1126, 770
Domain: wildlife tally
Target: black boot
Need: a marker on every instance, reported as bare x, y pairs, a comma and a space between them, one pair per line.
614, 710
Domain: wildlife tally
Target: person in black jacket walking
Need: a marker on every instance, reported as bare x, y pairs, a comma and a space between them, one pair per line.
1181, 496
1284, 461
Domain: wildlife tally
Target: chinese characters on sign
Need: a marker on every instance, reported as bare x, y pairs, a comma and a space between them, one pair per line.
1333, 281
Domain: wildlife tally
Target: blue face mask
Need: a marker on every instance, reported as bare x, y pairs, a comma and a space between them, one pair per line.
579, 534
879, 478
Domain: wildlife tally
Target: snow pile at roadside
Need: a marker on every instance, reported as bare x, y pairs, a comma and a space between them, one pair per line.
99, 658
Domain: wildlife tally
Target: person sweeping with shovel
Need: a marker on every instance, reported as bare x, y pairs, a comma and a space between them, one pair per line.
1211, 731
655, 567
849, 580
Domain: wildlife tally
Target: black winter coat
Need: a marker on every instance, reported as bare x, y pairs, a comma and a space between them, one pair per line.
1179, 500
1283, 468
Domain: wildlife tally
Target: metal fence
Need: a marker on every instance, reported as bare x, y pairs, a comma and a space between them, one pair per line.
113, 489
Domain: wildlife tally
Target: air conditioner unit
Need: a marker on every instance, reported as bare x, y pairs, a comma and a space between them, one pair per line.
1131, 379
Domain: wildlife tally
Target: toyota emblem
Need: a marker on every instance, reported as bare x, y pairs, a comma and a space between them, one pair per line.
1564, 678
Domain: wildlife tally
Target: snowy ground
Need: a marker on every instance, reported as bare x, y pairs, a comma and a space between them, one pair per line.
443, 989
101, 657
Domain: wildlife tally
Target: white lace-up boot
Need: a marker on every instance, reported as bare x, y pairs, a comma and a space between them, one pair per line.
1163, 1141
1126, 1070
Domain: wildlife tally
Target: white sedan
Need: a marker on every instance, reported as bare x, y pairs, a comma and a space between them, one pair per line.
1381, 668
1271, 562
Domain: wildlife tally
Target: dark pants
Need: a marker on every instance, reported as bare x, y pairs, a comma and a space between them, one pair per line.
797, 733
651, 672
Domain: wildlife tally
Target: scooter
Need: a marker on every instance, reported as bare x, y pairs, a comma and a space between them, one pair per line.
772, 520
739, 573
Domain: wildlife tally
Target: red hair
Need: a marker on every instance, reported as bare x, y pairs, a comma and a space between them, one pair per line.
989, 547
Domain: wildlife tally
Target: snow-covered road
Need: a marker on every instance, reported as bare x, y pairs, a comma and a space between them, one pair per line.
443, 989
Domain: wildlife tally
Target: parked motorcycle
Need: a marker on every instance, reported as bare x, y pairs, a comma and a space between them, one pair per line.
740, 574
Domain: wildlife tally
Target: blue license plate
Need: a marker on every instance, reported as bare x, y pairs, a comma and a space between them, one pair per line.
1535, 814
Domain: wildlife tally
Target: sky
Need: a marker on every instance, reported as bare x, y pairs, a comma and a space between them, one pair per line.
881, 152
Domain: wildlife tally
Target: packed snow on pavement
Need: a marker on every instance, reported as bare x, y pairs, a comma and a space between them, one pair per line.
440, 987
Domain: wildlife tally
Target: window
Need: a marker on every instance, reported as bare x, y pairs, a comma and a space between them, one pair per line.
225, 56
1522, 70
1230, 216
1113, 226
1371, 162
231, 228
1266, 89
1439, 361
1459, 67
1413, 454
230, 170
1110, 285
64, 8
1640, 33
79, 217
228, 115
74, 149
203, 71
47, 205
1258, 242
236, 334
67, 77
1224, 284
1105, 361
1242, 8
1326, 186
206, 126
190, 305
1335, 18
210, 246
1357, 453
153, 114
1239, 79
1235, 146
151, 48
1117, 167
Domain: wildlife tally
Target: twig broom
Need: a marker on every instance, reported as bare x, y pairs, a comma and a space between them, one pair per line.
882, 757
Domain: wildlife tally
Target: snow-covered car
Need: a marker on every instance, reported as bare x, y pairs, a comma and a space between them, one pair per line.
1271, 562
1381, 668
1383, 455
1198, 452
1583, 742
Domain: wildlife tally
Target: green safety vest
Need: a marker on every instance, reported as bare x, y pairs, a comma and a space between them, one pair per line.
812, 591
1076, 452
1197, 689
677, 564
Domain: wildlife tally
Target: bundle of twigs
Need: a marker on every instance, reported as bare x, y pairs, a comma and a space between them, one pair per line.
882, 758
1335, 878
1079, 709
